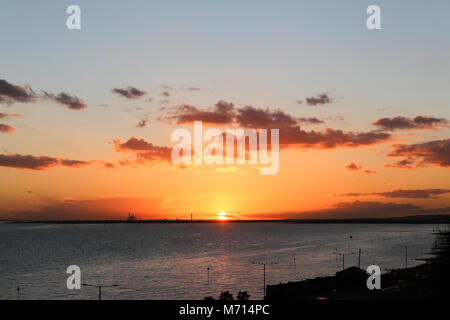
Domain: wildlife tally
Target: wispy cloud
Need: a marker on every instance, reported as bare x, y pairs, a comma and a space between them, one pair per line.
65, 99
320, 99
401, 193
419, 122
435, 153
129, 92
31, 162
10, 93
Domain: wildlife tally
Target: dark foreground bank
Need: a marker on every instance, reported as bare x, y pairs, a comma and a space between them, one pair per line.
428, 281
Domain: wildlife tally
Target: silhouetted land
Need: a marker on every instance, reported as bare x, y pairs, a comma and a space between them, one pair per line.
418, 219
428, 281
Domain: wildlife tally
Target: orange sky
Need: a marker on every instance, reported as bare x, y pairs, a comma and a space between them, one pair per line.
86, 116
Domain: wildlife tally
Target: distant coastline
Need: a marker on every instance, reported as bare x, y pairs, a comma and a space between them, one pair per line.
419, 219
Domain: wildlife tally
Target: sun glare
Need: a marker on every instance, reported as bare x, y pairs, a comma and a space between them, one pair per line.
222, 216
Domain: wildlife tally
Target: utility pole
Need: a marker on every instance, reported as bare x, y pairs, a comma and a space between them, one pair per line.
208, 273
99, 288
406, 257
264, 268
359, 258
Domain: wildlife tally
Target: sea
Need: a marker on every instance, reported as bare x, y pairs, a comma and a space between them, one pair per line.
194, 260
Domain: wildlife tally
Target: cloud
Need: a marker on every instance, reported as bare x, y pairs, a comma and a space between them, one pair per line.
5, 128
129, 92
435, 153
402, 164
320, 99
10, 93
73, 163
291, 134
400, 193
310, 120
356, 167
362, 210
94, 209
251, 117
66, 99
36, 162
419, 122
221, 113
9, 115
353, 166
144, 151
329, 138
141, 124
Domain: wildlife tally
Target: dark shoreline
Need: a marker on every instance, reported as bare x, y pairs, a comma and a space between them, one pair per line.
426, 281
418, 219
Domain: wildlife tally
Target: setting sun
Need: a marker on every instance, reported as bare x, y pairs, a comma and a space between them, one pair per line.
222, 216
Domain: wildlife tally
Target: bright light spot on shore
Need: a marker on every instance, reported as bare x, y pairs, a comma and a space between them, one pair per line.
222, 216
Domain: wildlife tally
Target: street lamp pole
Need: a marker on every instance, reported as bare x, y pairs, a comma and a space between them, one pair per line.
264, 268
99, 288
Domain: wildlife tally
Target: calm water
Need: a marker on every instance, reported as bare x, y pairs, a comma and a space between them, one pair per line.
170, 261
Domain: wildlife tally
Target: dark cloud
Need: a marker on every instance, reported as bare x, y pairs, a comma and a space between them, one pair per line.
364, 209
419, 122
73, 163
66, 99
329, 138
251, 117
320, 99
129, 92
95, 209
109, 165
144, 151
27, 162
141, 124
291, 133
353, 167
10, 93
402, 164
36, 162
5, 128
221, 113
432, 152
356, 167
400, 193
310, 120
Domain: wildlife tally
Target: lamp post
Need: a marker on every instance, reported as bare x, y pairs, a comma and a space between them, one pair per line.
264, 264
343, 256
99, 288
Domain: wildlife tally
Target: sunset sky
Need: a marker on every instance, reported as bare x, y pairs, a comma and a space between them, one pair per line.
86, 115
